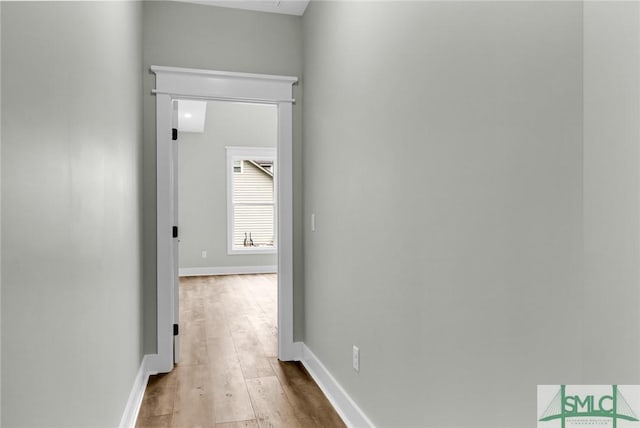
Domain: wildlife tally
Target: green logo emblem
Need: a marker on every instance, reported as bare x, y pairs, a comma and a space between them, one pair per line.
564, 406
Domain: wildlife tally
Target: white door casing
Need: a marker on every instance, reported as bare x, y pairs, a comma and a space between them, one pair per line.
183, 83
175, 262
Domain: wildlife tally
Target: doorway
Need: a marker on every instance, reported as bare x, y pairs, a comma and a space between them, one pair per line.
189, 84
226, 191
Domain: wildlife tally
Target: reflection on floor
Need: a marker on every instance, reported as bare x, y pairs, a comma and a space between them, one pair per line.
229, 375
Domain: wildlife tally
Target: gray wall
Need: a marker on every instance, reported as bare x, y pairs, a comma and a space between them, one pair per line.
611, 192
196, 36
203, 181
0, 215
71, 220
508, 257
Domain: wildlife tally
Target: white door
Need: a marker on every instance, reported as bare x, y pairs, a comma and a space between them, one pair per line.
175, 261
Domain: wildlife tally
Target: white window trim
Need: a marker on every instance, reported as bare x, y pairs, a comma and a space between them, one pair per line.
244, 153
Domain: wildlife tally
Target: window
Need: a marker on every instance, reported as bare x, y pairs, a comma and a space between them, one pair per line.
237, 166
251, 200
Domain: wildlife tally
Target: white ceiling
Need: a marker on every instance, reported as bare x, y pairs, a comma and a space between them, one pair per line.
287, 7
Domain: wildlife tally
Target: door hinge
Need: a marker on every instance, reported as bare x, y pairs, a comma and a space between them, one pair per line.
174, 134
175, 231
175, 329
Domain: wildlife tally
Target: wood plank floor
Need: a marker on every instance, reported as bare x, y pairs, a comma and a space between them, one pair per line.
229, 375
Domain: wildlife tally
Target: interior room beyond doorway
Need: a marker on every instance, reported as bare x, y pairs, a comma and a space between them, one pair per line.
227, 187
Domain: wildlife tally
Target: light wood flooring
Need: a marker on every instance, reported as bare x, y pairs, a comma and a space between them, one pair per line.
229, 376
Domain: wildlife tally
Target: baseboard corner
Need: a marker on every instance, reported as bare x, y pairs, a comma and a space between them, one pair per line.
344, 405
137, 393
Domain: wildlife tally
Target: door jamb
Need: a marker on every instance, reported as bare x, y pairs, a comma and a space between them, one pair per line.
184, 83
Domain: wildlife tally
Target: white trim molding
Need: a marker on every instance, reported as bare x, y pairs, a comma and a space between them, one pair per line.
185, 83
132, 408
223, 85
227, 270
287, 7
348, 410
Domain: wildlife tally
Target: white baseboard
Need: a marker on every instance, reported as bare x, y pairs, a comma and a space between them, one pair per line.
137, 393
348, 410
227, 270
